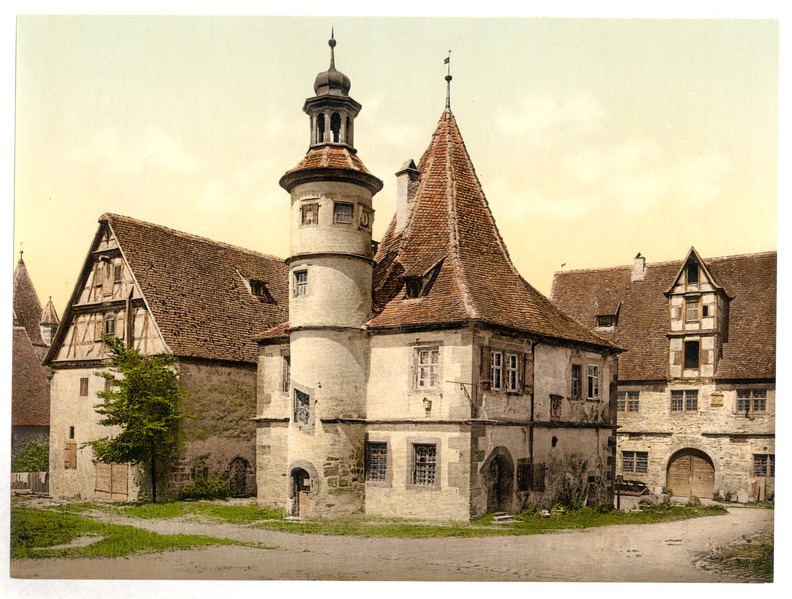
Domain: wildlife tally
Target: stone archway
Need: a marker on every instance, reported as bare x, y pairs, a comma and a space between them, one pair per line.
498, 477
691, 472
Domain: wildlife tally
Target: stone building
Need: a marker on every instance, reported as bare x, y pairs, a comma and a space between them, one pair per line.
429, 379
163, 291
696, 407
33, 330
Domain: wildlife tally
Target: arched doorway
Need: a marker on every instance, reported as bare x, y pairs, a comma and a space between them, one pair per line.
301, 493
238, 472
691, 472
499, 481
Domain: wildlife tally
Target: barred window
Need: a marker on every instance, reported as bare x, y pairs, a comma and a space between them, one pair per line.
300, 283
764, 464
424, 464
302, 407
635, 461
376, 461
286, 373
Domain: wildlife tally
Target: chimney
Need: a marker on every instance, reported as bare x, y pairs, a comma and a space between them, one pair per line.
639, 268
406, 185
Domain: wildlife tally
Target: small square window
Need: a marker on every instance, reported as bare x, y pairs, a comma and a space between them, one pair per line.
764, 464
684, 400
635, 461
692, 310
309, 214
342, 213
751, 401
628, 401
607, 321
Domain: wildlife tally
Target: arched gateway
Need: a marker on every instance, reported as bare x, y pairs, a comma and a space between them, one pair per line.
691, 472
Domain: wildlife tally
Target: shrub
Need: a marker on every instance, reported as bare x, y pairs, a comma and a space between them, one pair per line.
34, 458
206, 487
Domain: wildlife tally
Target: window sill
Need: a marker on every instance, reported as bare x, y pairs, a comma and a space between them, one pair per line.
411, 486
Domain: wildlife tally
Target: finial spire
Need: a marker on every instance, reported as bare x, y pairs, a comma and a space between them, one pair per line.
332, 44
448, 82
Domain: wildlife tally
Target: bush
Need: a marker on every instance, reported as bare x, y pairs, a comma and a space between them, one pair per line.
34, 458
206, 487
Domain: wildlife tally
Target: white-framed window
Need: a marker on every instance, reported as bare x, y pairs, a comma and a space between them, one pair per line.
635, 461
577, 381
512, 372
764, 464
424, 464
496, 370
750, 401
300, 283
593, 382
342, 213
628, 401
427, 367
684, 400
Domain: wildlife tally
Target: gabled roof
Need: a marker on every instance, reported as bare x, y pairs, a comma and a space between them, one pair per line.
27, 307
749, 280
197, 290
693, 255
451, 222
30, 395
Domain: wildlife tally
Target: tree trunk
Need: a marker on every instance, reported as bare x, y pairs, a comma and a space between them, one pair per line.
153, 479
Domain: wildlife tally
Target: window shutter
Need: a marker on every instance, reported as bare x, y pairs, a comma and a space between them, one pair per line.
486, 364
528, 364
676, 358
120, 326
98, 322
520, 373
677, 313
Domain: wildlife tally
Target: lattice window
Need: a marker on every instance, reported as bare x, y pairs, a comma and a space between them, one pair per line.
424, 464
376, 461
302, 407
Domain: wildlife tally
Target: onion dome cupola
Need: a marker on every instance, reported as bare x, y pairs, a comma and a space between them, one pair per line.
332, 111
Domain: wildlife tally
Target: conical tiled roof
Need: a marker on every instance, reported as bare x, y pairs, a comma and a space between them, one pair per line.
27, 307
49, 315
451, 240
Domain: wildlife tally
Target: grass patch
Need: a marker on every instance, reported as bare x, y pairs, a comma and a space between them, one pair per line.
752, 559
526, 523
217, 512
34, 532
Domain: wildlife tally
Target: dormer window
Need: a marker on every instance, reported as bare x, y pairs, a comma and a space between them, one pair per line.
606, 321
259, 289
413, 285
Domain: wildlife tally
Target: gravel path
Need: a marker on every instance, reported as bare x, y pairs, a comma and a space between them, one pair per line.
665, 552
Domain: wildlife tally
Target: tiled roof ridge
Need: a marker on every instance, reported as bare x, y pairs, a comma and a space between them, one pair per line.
666, 263
453, 241
190, 236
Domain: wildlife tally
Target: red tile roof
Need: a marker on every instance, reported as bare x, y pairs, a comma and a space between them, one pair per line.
328, 162
27, 307
451, 227
750, 280
30, 393
195, 289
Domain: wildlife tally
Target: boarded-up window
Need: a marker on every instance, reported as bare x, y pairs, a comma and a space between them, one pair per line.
83, 386
528, 372
555, 406
484, 373
286, 374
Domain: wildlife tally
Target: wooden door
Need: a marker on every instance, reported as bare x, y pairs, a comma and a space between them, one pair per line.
301, 506
691, 472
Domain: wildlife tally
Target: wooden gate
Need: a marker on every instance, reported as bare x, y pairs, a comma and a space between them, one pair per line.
691, 472
301, 485
112, 481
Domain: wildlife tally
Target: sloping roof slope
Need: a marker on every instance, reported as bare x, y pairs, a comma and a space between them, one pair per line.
750, 280
451, 228
30, 396
27, 307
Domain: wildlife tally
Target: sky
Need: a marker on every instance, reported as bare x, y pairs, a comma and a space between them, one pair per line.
593, 139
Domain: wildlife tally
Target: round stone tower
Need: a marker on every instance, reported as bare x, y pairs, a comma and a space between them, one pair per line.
331, 263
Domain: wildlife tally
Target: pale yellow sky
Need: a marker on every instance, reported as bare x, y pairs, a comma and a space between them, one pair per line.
593, 139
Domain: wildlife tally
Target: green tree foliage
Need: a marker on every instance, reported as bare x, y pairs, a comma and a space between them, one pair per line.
34, 458
144, 402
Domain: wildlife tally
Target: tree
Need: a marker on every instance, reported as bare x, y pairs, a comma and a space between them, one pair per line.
144, 402
33, 458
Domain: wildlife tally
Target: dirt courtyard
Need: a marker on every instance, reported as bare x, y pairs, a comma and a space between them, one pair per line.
664, 552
